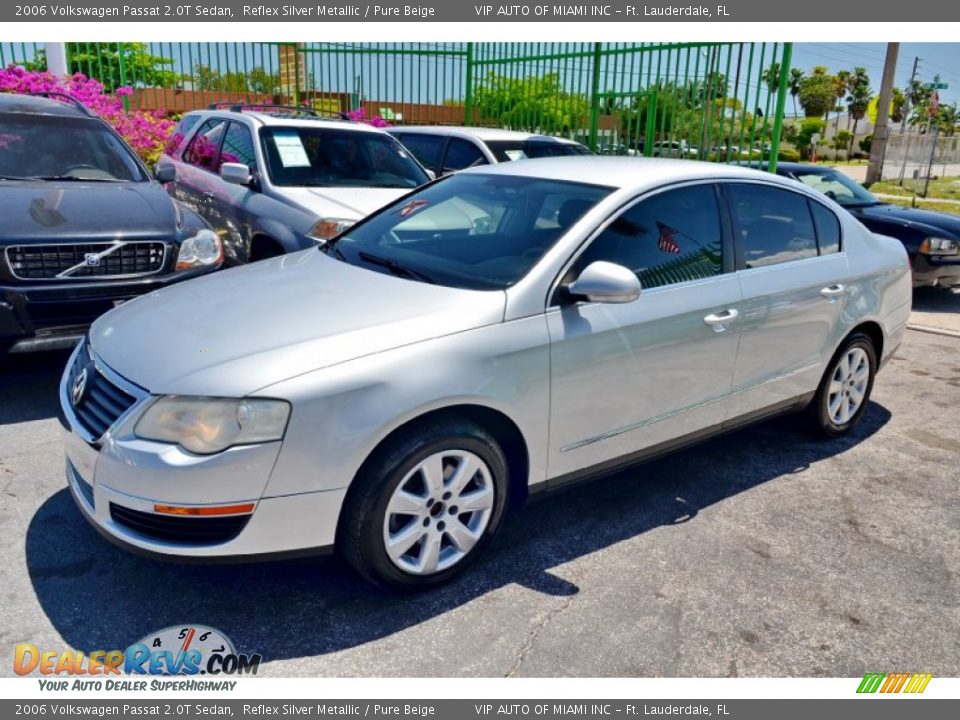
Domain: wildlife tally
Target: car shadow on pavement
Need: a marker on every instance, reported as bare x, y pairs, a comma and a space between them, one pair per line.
29, 385
936, 300
99, 597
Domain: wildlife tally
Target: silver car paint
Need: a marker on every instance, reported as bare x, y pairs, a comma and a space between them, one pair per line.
359, 353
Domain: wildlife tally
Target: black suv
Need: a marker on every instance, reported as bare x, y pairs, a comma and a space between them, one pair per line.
83, 226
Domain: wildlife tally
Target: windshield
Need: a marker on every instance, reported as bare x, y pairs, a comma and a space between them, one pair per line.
328, 157
837, 187
45, 147
505, 150
473, 231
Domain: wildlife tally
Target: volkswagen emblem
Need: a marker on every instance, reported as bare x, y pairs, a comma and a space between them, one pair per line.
79, 387
91, 259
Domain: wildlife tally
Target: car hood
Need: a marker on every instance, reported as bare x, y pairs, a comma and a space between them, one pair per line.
239, 330
85, 210
922, 219
352, 203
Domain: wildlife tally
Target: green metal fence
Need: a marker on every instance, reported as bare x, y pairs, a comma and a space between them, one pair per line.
717, 101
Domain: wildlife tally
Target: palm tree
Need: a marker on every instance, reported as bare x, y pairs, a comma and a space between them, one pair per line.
842, 85
948, 117
898, 101
796, 75
858, 99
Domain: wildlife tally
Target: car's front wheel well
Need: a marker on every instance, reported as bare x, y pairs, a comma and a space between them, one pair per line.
263, 247
498, 425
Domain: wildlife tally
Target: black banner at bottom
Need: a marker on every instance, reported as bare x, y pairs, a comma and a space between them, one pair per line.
871, 707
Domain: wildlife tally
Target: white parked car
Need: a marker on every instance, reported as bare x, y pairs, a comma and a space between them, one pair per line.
444, 150
391, 392
272, 180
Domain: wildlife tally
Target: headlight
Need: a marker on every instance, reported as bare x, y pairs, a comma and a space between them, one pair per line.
205, 249
209, 425
327, 228
939, 246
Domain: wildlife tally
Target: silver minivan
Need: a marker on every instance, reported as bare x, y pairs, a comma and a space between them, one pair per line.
503, 331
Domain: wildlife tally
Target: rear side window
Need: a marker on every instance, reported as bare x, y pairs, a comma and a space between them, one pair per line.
462, 154
828, 228
237, 147
425, 148
672, 237
180, 133
205, 145
775, 225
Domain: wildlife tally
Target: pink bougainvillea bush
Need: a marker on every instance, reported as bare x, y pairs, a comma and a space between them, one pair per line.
146, 132
360, 116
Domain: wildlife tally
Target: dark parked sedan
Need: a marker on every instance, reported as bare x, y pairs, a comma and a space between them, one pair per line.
84, 227
932, 239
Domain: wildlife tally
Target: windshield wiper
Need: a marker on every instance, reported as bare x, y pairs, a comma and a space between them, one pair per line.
395, 267
69, 178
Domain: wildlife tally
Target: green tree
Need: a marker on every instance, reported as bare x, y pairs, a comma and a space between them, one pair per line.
841, 141
859, 98
809, 127
101, 61
796, 76
866, 143
533, 103
817, 93
771, 77
898, 102
842, 84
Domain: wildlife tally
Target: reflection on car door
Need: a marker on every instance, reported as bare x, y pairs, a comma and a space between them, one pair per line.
196, 184
636, 376
234, 204
793, 280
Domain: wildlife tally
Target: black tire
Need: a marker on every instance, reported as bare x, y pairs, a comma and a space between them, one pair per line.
820, 419
360, 537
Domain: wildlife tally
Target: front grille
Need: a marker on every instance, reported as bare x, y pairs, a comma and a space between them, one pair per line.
101, 402
77, 261
178, 529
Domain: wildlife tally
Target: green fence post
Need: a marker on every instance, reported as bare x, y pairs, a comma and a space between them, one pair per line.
781, 105
468, 90
122, 62
651, 121
595, 97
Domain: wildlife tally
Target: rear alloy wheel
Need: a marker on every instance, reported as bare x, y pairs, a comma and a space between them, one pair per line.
845, 389
425, 506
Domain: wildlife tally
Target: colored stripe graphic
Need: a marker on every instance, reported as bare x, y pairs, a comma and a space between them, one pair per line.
894, 682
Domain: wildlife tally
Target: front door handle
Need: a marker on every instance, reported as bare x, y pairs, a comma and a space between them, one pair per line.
719, 320
208, 196
832, 292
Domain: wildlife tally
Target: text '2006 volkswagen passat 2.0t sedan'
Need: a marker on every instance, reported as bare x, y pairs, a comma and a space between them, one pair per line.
498, 332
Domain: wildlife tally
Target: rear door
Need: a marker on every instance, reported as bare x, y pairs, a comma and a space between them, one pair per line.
792, 274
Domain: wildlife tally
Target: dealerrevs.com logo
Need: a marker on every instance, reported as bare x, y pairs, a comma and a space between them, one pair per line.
910, 683
176, 650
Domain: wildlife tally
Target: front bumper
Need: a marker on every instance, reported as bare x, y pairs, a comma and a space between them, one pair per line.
943, 271
51, 311
117, 480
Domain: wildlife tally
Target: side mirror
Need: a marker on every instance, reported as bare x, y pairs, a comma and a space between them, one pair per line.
605, 282
235, 173
165, 173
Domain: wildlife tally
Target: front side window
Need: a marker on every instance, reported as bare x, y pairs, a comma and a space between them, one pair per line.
329, 157
44, 147
775, 225
671, 237
237, 147
205, 145
474, 231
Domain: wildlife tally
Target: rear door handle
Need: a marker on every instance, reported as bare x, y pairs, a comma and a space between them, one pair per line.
832, 292
719, 320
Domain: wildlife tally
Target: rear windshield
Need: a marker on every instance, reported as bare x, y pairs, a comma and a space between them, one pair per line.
505, 150
326, 157
469, 230
44, 147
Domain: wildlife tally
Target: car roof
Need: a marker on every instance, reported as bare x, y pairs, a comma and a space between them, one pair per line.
479, 133
289, 120
37, 105
627, 173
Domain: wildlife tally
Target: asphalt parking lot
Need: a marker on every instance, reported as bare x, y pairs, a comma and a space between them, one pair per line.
762, 553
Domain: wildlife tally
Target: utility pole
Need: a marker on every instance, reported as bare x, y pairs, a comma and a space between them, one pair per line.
879, 147
903, 121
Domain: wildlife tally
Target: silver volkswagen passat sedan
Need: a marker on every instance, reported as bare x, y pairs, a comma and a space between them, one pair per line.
499, 332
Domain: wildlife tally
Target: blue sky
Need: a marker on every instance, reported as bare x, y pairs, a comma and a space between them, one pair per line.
935, 58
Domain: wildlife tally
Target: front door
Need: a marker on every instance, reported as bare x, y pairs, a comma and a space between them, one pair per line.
631, 377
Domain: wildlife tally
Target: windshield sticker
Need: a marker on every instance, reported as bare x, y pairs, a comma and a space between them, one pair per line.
411, 207
290, 148
516, 154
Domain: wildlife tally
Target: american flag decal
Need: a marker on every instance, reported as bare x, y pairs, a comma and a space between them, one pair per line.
411, 207
666, 243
